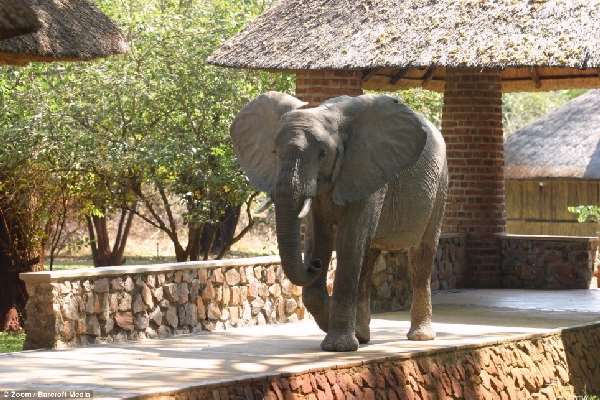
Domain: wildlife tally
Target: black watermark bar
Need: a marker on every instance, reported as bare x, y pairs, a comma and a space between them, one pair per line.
46, 394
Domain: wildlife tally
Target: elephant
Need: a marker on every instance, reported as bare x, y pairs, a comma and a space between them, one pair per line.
370, 175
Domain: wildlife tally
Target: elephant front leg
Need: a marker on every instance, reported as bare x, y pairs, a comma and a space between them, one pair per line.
421, 264
353, 236
363, 312
318, 246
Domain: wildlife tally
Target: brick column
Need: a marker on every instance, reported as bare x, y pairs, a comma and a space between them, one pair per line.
315, 87
318, 86
472, 128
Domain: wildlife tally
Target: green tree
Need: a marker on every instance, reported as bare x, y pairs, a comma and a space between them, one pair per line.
149, 131
520, 109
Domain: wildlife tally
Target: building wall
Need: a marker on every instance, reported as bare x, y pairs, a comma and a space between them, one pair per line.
539, 207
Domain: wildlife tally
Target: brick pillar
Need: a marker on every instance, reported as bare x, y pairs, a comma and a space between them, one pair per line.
472, 128
315, 87
318, 86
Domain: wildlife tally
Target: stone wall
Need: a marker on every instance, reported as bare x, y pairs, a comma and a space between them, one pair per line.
67, 308
548, 262
391, 284
79, 307
540, 366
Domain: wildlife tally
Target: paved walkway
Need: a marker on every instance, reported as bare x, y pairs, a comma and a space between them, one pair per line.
117, 371
579, 301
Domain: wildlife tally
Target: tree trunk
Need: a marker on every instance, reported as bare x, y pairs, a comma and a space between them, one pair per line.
102, 253
16, 250
226, 229
194, 246
181, 254
214, 238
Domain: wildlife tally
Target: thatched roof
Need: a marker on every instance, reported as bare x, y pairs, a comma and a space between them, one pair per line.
16, 18
563, 144
70, 30
407, 43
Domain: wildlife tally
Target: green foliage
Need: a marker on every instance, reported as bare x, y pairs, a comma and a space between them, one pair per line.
11, 342
520, 109
586, 213
426, 102
148, 128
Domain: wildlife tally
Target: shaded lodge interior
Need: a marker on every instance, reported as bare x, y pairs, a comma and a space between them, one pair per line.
471, 51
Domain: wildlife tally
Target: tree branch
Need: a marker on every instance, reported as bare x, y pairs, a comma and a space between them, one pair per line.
243, 232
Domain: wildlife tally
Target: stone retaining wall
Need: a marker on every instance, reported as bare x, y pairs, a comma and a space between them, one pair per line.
68, 308
540, 366
547, 262
103, 305
391, 284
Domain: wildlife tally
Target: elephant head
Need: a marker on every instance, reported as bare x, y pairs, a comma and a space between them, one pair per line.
348, 146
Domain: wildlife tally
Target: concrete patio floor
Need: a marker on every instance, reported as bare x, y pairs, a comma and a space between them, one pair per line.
462, 317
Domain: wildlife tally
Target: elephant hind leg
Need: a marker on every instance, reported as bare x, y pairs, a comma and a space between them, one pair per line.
363, 311
420, 265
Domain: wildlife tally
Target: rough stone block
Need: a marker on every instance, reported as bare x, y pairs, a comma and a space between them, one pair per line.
101, 285
187, 276
147, 296
217, 275
116, 284
151, 280
125, 320
70, 308
171, 292
138, 304
158, 294
124, 301
201, 309
183, 293
232, 277
213, 311
141, 320
128, 284
171, 317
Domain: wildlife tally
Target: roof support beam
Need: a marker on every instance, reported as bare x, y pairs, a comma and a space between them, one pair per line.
428, 75
535, 76
394, 79
368, 74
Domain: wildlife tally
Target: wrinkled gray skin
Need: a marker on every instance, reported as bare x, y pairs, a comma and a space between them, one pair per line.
377, 176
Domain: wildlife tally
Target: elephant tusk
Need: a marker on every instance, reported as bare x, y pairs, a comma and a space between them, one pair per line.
305, 208
264, 205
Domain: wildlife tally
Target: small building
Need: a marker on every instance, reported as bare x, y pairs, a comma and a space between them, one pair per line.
552, 164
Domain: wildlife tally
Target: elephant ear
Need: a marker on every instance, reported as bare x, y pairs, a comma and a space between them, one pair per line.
253, 134
384, 137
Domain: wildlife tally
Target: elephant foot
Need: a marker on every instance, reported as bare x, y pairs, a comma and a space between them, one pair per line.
339, 342
363, 332
421, 332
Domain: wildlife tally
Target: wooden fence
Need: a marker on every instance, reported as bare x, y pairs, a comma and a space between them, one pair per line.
539, 207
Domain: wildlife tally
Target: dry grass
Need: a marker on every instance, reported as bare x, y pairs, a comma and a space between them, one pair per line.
148, 245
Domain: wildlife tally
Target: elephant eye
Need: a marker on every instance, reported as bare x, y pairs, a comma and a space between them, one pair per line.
321, 154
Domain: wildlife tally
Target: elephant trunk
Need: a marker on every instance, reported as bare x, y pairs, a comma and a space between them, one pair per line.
289, 196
